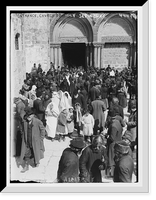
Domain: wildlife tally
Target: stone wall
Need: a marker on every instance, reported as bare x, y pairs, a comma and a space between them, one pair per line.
36, 40
17, 59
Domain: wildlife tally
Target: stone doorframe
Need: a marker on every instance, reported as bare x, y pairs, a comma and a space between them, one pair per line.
55, 40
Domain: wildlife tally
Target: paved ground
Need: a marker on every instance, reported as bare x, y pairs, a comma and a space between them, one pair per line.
47, 170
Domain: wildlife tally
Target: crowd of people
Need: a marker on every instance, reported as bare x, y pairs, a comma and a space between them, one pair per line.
88, 106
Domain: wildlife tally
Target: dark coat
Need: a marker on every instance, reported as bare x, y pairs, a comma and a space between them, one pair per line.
39, 109
98, 108
18, 127
104, 92
68, 169
124, 169
93, 93
85, 94
132, 124
81, 100
122, 96
112, 92
61, 123
115, 134
117, 108
72, 88
89, 164
38, 134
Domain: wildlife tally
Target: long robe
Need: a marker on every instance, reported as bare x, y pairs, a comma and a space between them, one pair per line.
38, 134
98, 114
52, 113
56, 99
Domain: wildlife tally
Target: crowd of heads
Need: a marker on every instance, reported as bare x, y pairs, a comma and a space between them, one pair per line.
49, 81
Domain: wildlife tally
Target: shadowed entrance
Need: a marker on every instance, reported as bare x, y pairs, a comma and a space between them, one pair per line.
74, 54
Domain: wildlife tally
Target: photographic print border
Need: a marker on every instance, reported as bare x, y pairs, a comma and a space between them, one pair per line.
143, 115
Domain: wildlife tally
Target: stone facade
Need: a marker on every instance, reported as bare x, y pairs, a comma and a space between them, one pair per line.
36, 40
18, 65
110, 38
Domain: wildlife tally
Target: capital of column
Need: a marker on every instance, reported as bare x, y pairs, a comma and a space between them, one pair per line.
55, 45
97, 44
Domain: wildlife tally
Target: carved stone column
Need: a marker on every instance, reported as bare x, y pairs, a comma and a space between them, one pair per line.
87, 55
60, 56
135, 54
91, 55
52, 54
56, 54
131, 54
97, 55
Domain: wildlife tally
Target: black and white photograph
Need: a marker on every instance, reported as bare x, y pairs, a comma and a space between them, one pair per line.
74, 87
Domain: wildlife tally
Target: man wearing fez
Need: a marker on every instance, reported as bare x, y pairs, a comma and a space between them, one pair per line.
124, 167
32, 149
68, 169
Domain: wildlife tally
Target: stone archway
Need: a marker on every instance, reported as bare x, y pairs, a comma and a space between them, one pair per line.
117, 36
71, 30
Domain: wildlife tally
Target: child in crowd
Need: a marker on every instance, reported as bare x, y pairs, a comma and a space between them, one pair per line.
61, 129
70, 121
88, 124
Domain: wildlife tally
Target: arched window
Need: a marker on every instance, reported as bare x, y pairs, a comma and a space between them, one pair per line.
17, 41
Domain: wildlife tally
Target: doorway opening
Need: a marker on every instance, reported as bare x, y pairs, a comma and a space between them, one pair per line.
74, 54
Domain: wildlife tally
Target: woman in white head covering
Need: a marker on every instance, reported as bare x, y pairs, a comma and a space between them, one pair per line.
32, 95
56, 99
65, 100
51, 115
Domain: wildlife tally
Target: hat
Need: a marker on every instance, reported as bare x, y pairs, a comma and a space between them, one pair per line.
127, 135
77, 143
28, 111
121, 147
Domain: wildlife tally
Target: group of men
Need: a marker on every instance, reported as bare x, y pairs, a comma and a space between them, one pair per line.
101, 92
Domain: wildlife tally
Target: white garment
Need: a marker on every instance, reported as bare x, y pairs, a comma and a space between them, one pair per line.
112, 73
88, 124
65, 102
52, 113
56, 99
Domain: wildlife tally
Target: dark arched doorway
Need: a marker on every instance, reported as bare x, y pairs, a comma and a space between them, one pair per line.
74, 54
71, 37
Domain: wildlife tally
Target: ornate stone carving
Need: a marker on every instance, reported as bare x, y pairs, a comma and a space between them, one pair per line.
131, 15
55, 45
72, 39
118, 39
